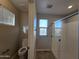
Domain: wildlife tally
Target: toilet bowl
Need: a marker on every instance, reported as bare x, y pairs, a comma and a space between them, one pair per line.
22, 52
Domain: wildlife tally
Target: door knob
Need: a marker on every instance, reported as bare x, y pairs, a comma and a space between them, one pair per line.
59, 40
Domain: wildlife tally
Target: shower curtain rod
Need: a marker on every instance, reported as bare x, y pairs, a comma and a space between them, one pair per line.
66, 17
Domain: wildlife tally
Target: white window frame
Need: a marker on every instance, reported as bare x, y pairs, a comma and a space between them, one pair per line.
7, 17
43, 28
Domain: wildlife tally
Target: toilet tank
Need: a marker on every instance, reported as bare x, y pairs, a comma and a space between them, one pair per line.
24, 43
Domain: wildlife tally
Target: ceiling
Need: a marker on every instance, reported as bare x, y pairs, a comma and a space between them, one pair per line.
60, 7
21, 4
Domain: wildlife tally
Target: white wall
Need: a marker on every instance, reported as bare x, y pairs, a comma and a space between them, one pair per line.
23, 23
70, 39
44, 42
31, 36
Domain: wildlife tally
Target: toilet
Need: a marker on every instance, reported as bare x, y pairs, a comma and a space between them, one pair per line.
23, 53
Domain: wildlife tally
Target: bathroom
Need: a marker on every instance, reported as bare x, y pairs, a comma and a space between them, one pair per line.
18, 22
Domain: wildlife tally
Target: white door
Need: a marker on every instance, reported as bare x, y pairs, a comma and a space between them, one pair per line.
56, 38
54, 42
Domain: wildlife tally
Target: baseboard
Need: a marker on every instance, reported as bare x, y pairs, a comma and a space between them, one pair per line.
43, 49
53, 53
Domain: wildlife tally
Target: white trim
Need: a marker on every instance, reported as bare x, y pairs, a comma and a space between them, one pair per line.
43, 49
54, 53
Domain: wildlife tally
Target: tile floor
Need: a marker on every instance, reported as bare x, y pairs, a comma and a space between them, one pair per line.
44, 55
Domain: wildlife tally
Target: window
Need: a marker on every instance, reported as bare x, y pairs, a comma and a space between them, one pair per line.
43, 24
35, 25
58, 26
6, 16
